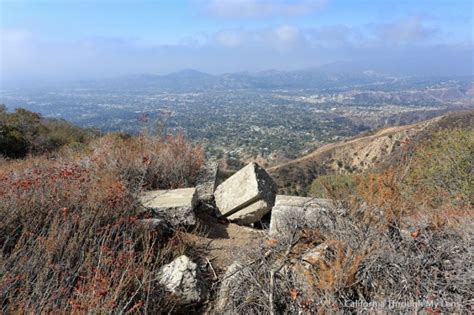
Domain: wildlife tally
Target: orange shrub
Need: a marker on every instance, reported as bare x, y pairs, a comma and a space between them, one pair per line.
146, 161
69, 234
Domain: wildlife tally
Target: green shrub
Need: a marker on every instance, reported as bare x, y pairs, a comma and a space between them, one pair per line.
325, 185
442, 168
23, 132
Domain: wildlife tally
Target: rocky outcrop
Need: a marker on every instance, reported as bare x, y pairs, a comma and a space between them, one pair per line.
175, 206
292, 213
246, 196
182, 277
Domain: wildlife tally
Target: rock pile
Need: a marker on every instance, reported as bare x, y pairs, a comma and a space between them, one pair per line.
244, 198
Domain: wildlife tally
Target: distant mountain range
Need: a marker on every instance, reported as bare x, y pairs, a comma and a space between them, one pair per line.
328, 77
272, 79
335, 75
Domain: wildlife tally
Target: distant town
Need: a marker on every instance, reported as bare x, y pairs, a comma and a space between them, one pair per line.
273, 116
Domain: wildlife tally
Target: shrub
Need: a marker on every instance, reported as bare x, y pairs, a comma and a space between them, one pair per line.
23, 132
442, 168
146, 161
324, 184
69, 236
361, 266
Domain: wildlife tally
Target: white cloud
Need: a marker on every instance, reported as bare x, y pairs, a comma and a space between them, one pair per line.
24, 54
230, 38
263, 8
282, 37
406, 30
335, 36
286, 33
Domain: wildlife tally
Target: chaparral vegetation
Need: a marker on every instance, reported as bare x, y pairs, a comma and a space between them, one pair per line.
72, 237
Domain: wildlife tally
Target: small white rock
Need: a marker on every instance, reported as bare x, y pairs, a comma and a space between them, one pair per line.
181, 277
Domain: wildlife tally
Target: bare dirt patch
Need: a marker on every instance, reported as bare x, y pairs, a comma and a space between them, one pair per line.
223, 241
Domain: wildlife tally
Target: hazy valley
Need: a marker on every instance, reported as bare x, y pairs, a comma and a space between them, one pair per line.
270, 117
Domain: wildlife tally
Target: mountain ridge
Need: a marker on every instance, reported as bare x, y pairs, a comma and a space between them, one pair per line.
361, 153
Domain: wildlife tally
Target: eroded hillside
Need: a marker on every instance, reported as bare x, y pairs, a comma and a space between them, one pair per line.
361, 153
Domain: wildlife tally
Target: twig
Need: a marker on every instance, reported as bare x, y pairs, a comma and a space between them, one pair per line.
276, 270
270, 295
212, 268
265, 255
132, 297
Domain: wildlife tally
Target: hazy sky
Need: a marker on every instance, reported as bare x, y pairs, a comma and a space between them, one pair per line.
67, 39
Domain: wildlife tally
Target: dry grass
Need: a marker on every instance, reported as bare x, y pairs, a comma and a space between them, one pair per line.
144, 161
69, 235
360, 268
389, 251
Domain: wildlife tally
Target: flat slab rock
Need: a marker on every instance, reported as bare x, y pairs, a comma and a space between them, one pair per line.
242, 191
176, 206
292, 212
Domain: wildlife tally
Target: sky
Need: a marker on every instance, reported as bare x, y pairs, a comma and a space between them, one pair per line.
81, 39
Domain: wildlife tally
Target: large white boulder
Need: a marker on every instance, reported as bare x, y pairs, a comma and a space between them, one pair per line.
182, 277
292, 213
250, 191
176, 206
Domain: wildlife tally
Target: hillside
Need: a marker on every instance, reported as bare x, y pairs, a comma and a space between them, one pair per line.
361, 153
23, 132
143, 224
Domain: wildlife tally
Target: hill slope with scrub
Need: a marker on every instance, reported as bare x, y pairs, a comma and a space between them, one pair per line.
362, 153
72, 237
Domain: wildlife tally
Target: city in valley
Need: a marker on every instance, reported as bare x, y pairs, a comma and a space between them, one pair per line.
269, 117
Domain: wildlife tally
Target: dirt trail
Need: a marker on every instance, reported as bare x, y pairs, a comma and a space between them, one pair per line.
347, 144
225, 241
